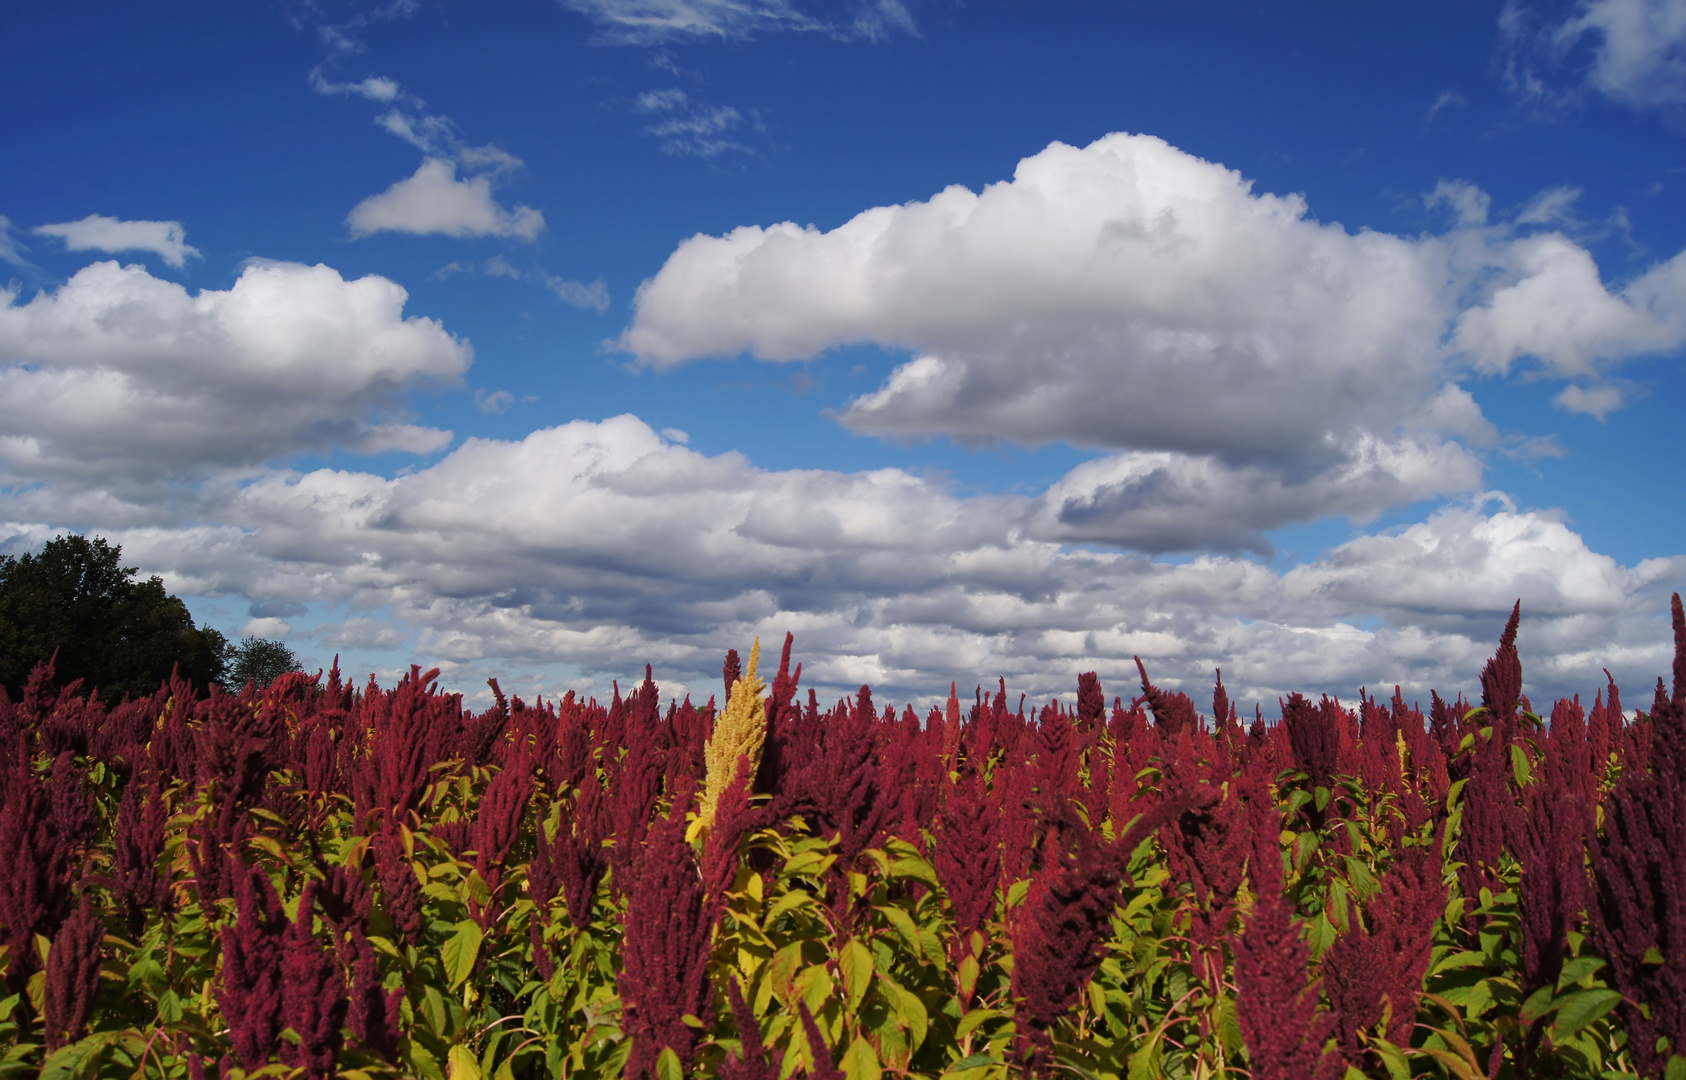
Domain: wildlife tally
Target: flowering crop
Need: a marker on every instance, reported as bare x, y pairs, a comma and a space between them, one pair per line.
317, 880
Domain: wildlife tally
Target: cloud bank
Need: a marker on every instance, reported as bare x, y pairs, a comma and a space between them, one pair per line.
605, 545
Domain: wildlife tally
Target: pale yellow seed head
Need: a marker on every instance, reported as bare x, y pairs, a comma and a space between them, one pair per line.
740, 731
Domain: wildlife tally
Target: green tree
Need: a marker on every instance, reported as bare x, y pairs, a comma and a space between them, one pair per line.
119, 635
258, 660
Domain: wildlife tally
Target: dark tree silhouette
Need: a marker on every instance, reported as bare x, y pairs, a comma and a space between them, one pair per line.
258, 660
117, 634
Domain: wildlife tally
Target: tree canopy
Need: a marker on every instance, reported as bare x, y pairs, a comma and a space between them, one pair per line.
258, 660
119, 635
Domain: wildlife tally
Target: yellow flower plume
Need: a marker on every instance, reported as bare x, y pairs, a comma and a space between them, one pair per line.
740, 731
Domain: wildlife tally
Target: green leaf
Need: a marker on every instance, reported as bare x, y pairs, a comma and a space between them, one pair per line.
971, 1020
790, 901
667, 1065
911, 866
78, 1060
909, 1010
860, 1061
1454, 961
1393, 1059
903, 922
1580, 1009
460, 951
976, 1061
1144, 1061
461, 1064
1520, 766
854, 962
1675, 1069
1577, 969
1539, 1004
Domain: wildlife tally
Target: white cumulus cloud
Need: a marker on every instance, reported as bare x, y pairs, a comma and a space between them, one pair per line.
435, 200
119, 376
96, 232
1132, 297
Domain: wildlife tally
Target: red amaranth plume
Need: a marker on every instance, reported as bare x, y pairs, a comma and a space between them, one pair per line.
1223, 713
1376, 972
372, 1012
249, 991
782, 715
1501, 679
825, 1067
313, 999
1315, 735
1173, 712
734, 819
668, 930
401, 896
1091, 702
38, 860
1206, 846
730, 672
1550, 844
73, 976
635, 785
1604, 727
411, 727
968, 859
579, 853
750, 1062
138, 843
1059, 934
1639, 866
1491, 815
1276, 1010
1057, 758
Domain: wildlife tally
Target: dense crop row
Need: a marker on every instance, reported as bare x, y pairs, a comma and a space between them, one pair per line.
318, 879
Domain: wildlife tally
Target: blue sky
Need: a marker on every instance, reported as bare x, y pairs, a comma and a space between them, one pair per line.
964, 341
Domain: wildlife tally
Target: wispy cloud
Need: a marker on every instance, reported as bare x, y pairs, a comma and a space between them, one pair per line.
1630, 51
592, 297
646, 22
434, 199
11, 251
1448, 99
684, 126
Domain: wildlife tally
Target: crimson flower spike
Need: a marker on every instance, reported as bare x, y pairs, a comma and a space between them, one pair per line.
73, 976
1639, 866
669, 926
750, 1063
313, 998
1276, 1010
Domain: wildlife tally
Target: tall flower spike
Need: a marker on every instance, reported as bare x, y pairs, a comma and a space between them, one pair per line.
669, 926
313, 999
1276, 1011
73, 976
741, 731
750, 1063
250, 991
